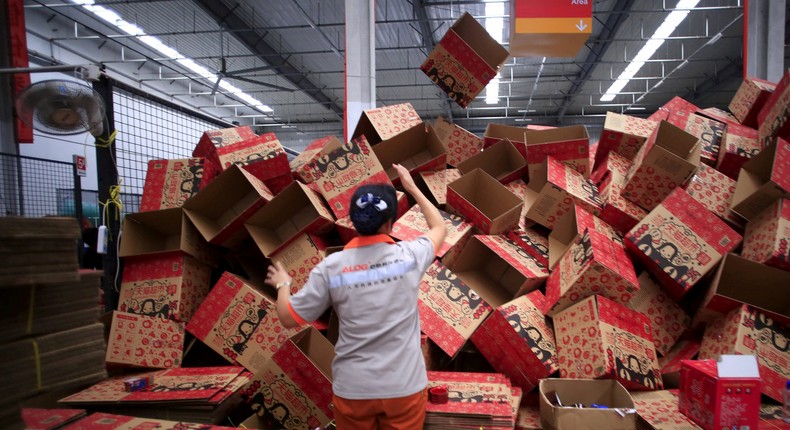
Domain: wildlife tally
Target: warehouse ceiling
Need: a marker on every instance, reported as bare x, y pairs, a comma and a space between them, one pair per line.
295, 49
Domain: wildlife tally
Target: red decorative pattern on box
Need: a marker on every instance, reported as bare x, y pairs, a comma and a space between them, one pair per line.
389, 121
713, 190
145, 341
303, 372
169, 183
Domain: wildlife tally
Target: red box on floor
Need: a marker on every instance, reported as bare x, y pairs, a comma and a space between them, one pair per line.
668, 319
767, 237
738, 145
708, 130
413, 225
496, 132
169, 183
750, 99
624, 135
459, 143
658, 410
212, 140
143, 341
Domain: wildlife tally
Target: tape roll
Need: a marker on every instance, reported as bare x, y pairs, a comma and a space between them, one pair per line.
438, 395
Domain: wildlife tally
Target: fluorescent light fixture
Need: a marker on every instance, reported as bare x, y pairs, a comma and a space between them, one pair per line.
523, 119
111, 17
636, 108
666, 28
526, 111
495, 26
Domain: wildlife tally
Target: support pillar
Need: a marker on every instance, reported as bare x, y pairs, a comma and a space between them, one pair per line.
764, 39
360, 70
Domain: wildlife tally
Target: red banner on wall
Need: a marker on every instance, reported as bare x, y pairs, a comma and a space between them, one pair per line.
16, 30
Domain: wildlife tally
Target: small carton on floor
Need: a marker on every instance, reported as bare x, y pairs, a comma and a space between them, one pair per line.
464, 60
774, 116
459, 143
762, 180
750, 99
569, 145
721, 394
302, 166
680, 241
624, 135
516, 135
747, 330
501, 160
484, 202
557, 397
263, 156
669, 320
715, 191
767, 237
212, 140
658, 410
300, 256
417, 148
536, 244
386, 122
598, 338
738, 145
571, 227
436, 184
413, 225
169, 183
140, 340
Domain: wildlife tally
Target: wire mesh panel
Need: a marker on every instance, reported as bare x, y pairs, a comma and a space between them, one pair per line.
35, 187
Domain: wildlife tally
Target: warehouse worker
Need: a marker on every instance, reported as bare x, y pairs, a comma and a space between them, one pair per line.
379, 376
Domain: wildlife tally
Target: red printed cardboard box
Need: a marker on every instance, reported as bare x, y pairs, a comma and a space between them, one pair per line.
762, 180
553, 193
570, 145
666, 161
738, 145
715, 191
263, 156
294, 389
571, 227
104, 421
215, 139
598, 338
721, 395
612, 164
658, 410
684, 349
748, 331
501, 160
719, 115
708, 130
465, 60
749, 100
343, 170
413, 225
386, 122
300, 256
536, 244
669, 321
170, 285
140, 340
302, 166
680, 241
516, 135
594, 264
169, 183
239, 323
459, 143
772, 418
674, 106
624, 135
450, 311
518, 342
774, 115
519, 188
484, 202
620, 213
436, 183
767, 237
418, 149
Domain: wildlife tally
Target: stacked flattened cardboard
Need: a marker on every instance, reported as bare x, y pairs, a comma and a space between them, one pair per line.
475, 400
38, 250
102, 421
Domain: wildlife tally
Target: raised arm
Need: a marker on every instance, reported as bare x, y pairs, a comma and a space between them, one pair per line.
436, 226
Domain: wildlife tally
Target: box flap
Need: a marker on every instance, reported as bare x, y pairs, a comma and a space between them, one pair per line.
476, 36
737, 366
502, 160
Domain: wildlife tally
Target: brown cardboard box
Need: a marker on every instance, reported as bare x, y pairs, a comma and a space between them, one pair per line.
144, 341
675, 105
263, 156
666, 161
164, 231
549, 29
465, 60
593, 264
624, 135
459, 143
684, 349
720, 115
773, 116
746, 330
570, 145
169, 183
296, 210
344, 169
620, 213
501, 160
767, 237
516, 135
413, 225
552, 194
708, 130
386, 122
300, 256
518, 342
715, 191
571, 227
680, 241
239, 323
417, 148
612, 164
738, 145
519, 188
668, 320
528, 418
587, 392
658, 410
436, 183
215, 139
220, 210
166, 285
294, 389
763, 180
750, 99
598, 338
536, 244
484, 202
302, 166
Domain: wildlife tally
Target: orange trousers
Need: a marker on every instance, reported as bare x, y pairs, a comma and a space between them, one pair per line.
402, 413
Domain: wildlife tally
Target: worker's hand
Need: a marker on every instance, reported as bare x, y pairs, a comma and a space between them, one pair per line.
405, 179
276, 274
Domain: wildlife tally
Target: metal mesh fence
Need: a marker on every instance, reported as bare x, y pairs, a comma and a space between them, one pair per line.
35, 187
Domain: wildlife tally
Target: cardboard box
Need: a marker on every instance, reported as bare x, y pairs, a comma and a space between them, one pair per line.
239, 323
684, 349
773, 116
343, 170
436, 183
302, 166
586, 392
215, 139
767, 236
518, 342
738, 145
553, 193
666, 161
720, 115
516, 135
345, 229
772, 418
624, 135
220, 210
571, 227
170, 285
418, 149
674, 106
593, 264
300, 256
714, 190
104, 421
680, 241
164, 231
719, 395
536, 244
279, 183
748, 331
296, 210
459, 143
612, 164
263, 156
501, 160
763, 180
169, 183
549, 30
708, 130
294, 389
749, 100
484, 202
519, 188
570, 145
620, 213
139, 340
475, 400
658, 410
386, 122
413, 225
668, 320
465, 60
528, 418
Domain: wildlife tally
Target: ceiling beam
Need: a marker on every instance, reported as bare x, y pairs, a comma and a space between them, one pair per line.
610, 27
421, 14
229, 18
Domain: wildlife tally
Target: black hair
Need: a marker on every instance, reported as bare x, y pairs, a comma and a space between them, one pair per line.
368, 216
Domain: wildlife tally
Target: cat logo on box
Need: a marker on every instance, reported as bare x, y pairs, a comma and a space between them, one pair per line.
254, 158
458, 292
341, 159
188, 181
540, 346
628, 365
768, 331
450, 75
267, 403
668, 254
239, 323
